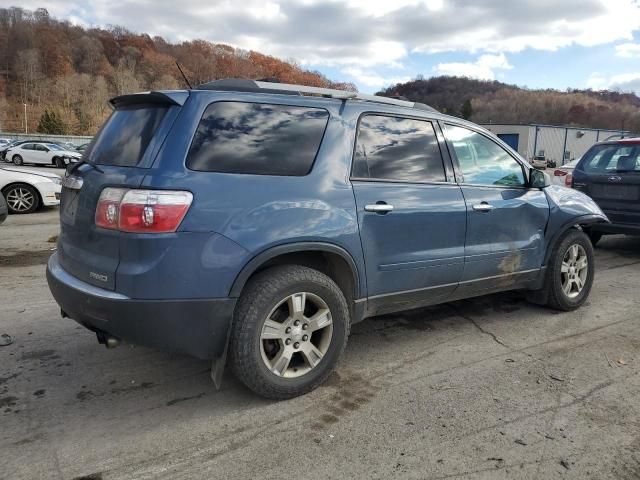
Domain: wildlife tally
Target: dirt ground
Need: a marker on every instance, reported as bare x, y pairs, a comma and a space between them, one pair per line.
487, 388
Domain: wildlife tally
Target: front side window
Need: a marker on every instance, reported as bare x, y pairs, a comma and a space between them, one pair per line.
482, 161
28, 146
399, 149
257, 138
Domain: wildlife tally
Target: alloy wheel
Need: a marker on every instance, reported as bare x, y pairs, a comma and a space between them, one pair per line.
574, 270
296, 335
20, 199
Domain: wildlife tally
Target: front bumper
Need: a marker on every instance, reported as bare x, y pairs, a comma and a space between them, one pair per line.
197, 327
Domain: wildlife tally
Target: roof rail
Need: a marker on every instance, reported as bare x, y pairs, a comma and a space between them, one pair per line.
242, 85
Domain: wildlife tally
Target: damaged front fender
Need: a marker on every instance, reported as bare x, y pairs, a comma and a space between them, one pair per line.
569, 208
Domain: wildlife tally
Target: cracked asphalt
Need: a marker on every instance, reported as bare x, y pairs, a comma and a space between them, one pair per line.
486, 388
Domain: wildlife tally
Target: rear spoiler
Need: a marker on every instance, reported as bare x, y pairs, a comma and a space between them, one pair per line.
165, 97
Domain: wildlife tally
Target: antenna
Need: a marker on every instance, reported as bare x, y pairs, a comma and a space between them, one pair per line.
186, 80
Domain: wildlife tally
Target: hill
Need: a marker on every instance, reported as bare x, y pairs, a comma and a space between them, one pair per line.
496, 102
55, 66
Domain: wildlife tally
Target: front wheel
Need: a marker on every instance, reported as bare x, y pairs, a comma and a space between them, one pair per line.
21, 198
570, 272
59, 162
290, 328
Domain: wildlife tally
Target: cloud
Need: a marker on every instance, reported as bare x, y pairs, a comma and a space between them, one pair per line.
628, 50
624, 82
483, 68
372, 79
370, 35
367, 32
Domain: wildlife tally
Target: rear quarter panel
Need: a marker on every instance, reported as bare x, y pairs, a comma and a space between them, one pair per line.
257, 212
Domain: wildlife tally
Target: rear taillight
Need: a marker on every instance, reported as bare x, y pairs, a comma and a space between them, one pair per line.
559, 173
142, 211
567, 180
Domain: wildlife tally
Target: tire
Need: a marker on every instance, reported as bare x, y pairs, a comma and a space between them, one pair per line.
17, 160
554, 293
21, 198
254, 359
59, 162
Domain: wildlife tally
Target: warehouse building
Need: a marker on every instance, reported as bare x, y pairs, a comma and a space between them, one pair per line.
553, 142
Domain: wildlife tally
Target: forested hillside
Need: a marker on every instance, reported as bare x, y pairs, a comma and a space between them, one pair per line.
492, 101
54, 66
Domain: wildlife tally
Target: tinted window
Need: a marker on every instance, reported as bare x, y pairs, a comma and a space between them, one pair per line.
255, 138
28, 146
482, 161
126, 136
612, 158
40, 148
394, 148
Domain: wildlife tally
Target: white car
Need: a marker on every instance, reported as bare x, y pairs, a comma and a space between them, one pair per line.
563, 175
25, 190
42, 154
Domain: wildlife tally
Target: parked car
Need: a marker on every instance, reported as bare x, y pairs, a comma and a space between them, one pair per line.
4, 148
3, 209
610, 174
4, 141
539, 161
42, 154
25, 191
264, 219
563, 175
82, 148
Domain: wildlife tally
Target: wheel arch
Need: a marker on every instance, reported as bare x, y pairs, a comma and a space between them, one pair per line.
328, 258
574, 223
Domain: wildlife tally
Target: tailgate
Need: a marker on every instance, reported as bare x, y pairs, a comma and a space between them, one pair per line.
122, 153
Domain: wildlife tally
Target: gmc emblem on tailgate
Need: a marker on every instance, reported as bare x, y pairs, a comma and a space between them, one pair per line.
98, 276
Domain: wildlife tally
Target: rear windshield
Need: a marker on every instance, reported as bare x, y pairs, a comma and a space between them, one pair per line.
257, 138
125, 137
611, 158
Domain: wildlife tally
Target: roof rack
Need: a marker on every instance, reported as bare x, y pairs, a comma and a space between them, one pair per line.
242, 85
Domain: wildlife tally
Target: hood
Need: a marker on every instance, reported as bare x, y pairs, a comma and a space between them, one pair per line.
52, 176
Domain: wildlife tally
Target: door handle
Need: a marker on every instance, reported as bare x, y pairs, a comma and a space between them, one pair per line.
381, 208
483, 207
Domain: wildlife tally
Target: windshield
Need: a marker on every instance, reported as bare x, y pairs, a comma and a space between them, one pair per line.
612, 158
54, 147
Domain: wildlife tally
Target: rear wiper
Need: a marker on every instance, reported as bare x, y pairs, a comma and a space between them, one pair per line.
84, 162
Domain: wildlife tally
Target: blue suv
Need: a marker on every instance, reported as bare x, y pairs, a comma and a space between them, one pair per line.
256, 222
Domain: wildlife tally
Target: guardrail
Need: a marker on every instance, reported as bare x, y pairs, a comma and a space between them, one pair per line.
40, 137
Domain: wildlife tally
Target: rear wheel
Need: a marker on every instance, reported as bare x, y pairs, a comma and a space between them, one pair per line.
569, 274
21, 198
17, 160
290, 329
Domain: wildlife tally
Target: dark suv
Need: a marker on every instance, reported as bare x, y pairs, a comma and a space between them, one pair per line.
610, 174
261, 220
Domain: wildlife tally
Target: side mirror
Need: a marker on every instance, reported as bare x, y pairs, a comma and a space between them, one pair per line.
538, 179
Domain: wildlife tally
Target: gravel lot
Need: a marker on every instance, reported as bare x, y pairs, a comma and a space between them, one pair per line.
485, 388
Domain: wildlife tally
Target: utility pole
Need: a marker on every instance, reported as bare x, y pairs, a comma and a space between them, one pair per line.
26, 129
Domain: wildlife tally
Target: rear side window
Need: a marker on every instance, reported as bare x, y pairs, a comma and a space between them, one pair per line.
256, 138
123, 140
396, 148
612, 158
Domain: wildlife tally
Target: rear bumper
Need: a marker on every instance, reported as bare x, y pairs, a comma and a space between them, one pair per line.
194, 327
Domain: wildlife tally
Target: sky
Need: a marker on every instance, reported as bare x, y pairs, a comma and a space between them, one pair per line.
376, 43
